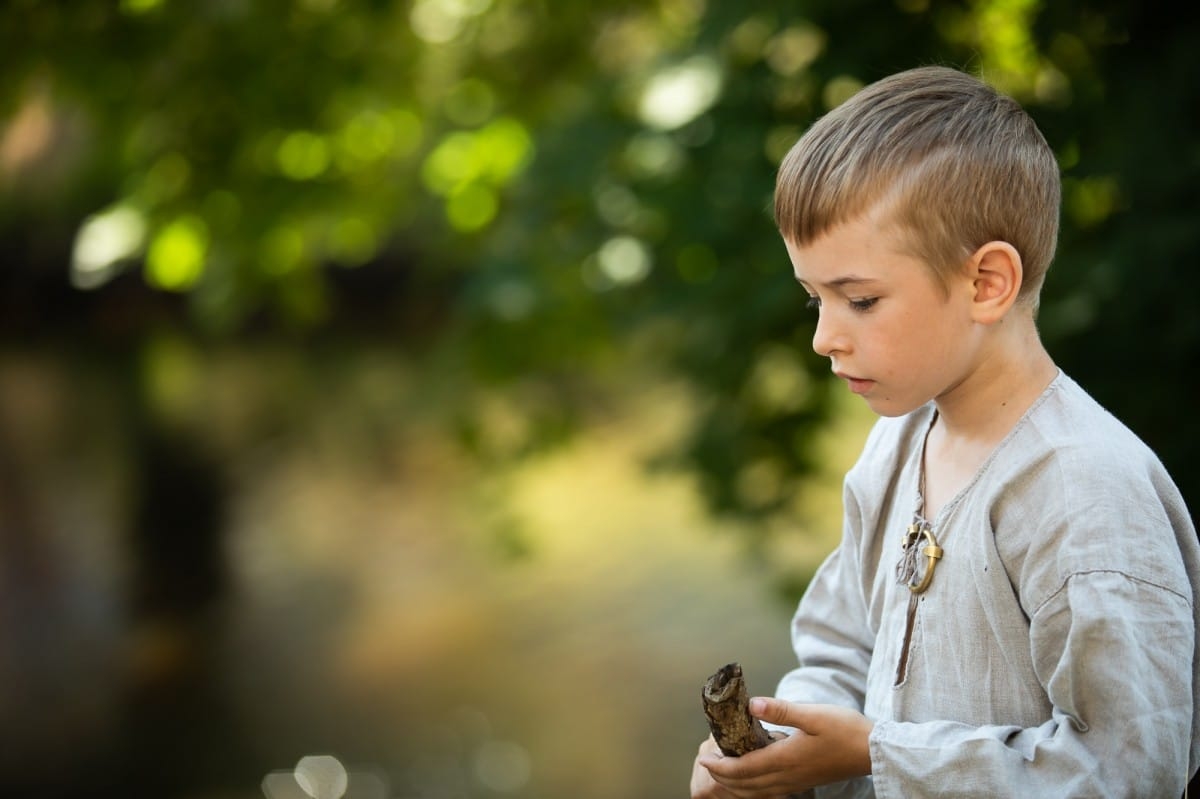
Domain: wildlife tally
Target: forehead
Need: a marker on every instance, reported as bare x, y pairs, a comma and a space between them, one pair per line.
858, 251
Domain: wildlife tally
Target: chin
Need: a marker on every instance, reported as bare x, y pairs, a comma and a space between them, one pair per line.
885, 406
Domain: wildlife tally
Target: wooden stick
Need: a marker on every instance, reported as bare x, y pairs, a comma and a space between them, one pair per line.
727, 707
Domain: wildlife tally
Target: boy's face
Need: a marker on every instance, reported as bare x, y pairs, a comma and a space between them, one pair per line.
892, 332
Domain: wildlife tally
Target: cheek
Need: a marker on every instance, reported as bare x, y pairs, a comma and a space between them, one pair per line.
910, 348
903, 339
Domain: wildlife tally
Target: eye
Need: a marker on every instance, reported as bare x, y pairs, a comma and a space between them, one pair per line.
813, 302
864, 304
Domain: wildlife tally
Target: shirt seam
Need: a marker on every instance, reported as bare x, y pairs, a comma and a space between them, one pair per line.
1066, 579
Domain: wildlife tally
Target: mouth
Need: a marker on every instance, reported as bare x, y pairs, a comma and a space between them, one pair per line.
857, 385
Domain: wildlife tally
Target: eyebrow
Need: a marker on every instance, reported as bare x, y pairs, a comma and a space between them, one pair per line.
845, 280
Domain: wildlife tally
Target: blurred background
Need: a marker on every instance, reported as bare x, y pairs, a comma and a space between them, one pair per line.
413, 399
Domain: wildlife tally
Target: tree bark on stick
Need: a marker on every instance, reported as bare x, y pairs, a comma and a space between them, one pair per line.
727, 707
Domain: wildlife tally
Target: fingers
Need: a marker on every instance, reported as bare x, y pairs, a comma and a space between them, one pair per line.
703, 786
743, 777
841, 734
776, 711
750, 768
809, 718
831, 744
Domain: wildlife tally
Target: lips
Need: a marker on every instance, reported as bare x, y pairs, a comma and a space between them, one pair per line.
857, 385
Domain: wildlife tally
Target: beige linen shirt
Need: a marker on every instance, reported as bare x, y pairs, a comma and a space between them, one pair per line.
1054, 653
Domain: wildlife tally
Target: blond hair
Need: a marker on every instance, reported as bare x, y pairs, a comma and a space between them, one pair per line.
953, 162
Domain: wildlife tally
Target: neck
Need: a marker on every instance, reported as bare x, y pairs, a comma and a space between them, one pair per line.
1011, 373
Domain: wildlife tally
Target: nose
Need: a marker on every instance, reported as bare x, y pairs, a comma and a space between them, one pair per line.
827, 339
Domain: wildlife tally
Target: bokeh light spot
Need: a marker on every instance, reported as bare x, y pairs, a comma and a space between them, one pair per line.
512, 300
322, 776
779, 383
654, 155
794, 48
175, 260
839, 90
303, 155
408, 130
137, 7
680, 93
508, 147
472, 207
103, 240
441, 21
748, 40
353, 241
1090, 201
491, 155
624, 260
368, 137
616, 204
449, 164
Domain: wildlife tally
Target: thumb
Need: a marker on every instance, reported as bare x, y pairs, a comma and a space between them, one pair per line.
775, 711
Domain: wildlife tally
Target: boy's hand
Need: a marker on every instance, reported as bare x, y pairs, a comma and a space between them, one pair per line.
830, 745
703, 785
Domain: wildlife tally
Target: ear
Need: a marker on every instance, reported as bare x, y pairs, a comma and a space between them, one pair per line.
996, 273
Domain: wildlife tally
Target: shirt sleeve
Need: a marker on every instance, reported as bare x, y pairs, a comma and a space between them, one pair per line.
832, 634
833, 639
1114, 655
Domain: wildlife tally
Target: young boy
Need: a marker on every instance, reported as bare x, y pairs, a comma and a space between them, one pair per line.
1011, 610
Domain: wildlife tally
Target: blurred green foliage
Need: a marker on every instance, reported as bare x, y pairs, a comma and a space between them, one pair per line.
532, 191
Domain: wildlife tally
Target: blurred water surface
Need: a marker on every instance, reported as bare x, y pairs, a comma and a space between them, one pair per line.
215, 563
